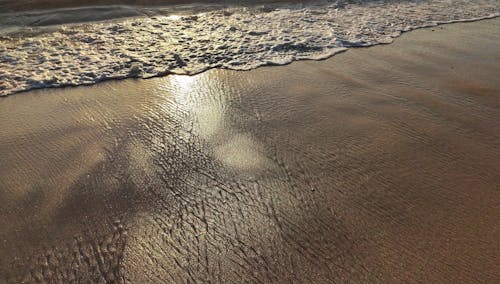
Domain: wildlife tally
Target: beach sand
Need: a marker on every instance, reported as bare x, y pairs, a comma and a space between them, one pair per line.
381, 164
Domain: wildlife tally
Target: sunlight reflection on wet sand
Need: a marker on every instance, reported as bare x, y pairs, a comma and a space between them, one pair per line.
375, 165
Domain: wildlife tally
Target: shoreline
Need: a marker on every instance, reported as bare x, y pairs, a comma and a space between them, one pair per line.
325, 56
72, 55
377, 165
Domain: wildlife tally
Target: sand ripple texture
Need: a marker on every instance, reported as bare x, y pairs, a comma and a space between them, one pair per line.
234, 38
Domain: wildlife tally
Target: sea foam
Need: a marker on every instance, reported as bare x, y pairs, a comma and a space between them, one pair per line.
234, 38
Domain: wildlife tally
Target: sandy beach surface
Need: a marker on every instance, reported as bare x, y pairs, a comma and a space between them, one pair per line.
379, 165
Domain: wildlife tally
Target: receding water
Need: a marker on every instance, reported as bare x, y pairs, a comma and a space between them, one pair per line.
157, 42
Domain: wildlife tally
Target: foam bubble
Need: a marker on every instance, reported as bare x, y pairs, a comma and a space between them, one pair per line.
235, 38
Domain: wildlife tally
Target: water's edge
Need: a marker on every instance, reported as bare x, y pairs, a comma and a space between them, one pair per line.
186, 45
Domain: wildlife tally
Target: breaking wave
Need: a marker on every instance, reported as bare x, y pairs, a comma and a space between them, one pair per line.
234, 38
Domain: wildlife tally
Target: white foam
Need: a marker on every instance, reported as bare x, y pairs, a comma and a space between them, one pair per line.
236, 38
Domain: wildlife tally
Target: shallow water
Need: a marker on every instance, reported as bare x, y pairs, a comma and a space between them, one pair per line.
32, 5
379, 165
239, 38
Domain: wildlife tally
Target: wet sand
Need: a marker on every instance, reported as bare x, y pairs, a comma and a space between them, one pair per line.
380, 164
32, 5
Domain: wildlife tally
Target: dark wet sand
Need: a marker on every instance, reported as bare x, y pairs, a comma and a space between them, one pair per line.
32, 5
378, 165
